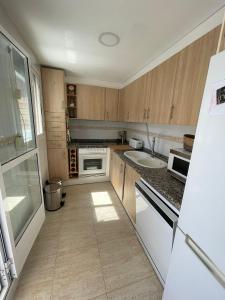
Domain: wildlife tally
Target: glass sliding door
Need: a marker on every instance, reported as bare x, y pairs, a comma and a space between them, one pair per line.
16, 120
23, 194
21, 203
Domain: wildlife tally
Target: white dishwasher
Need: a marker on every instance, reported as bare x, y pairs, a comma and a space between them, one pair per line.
155, 226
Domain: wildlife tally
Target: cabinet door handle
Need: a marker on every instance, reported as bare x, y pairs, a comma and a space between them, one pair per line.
144, 114
172, 111
148, 113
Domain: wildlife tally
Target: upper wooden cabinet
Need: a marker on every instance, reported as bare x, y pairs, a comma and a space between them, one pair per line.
111, 104
132, 101
90, 102
53, 88
190, 78
160, 95
138, 104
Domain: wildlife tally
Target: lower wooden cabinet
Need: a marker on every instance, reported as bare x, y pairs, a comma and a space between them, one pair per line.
58, 163
117, 174
129, 197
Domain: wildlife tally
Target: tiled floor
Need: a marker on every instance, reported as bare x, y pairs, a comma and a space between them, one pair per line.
88, 250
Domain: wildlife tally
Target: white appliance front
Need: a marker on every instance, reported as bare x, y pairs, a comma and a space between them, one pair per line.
188, 278
92, 164
155, 225
202, 212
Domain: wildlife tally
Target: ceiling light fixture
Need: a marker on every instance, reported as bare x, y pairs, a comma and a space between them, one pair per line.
109, 39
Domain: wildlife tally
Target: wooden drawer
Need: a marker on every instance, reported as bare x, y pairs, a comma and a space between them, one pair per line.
55, 126
56, 144
55, 117
56, 136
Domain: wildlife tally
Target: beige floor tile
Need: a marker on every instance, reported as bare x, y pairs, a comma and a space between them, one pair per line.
73, 238
85, 247
45, 247
80, 214
146, 289
111, 230
78, 275
126, 265
102, 297
119, 250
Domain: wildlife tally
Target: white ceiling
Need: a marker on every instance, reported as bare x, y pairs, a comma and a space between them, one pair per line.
64, 33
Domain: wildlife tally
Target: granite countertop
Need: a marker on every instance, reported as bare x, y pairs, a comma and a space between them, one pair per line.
160, 179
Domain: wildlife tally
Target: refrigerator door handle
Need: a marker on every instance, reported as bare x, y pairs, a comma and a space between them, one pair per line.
209, 264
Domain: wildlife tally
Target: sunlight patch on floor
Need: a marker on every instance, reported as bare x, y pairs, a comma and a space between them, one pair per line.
101, 198
106, 213
104, 210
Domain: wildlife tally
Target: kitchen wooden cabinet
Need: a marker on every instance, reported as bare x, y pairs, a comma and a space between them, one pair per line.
129, 197
190, 78
122, 105
138, 99
132, 101
54, 107
90, 102
111, 104
58, 163
53, 90
117, 174
160, 94
146, 108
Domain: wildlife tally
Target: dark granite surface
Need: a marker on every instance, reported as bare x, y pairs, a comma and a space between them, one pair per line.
170, 188
95, 143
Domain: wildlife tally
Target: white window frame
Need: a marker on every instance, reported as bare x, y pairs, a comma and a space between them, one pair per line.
37, 102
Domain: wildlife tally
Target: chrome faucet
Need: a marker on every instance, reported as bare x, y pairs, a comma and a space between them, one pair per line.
153, 146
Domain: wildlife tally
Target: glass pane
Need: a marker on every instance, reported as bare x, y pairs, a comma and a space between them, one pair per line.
93, 164
23, 194
16, 122
37, 105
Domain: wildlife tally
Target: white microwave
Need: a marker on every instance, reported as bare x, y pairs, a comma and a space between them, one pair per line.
178, 163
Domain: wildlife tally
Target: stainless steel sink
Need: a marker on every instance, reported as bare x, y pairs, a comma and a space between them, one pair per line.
145, 160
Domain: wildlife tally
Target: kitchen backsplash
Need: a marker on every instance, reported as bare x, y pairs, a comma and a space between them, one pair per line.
84, 129
167, 136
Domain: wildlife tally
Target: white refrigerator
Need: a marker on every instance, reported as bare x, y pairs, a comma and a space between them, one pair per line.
197, 266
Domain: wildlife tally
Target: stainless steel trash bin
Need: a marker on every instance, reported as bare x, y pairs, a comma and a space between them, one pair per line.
53, 197
59, 182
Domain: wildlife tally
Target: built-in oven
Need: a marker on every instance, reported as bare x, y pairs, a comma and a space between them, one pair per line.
92, 161
178, 163
156, 223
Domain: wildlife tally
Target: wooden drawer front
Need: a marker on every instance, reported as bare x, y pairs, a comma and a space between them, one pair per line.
55, 117
56, 136
55, 126
56, 144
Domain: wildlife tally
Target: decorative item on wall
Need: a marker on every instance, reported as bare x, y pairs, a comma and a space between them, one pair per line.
71, 100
